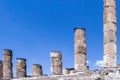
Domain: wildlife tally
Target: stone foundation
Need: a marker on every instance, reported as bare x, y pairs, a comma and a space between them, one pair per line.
98, 74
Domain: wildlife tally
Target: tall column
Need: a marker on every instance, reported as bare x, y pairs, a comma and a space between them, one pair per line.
21, 67
1, 69
79, 49
110, 59
36, 70
56, 62
7, 64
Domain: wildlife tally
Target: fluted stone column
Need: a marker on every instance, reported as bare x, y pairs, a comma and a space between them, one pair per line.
7, 64
36, 70
110, 59
56, 62
1, 69
21, 67
79, 49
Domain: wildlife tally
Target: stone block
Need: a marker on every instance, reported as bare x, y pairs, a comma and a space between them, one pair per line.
36, 70
109, 9
110, 49
109, 27
80, 50
109, 36
80, 58
7, 52
109, 17
56, 54
110, 60
66, 71
110, 3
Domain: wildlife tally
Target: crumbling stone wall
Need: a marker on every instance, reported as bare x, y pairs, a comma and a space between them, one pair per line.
102, 74
111, 70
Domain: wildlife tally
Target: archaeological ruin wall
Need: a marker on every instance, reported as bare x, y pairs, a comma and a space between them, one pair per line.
80, 71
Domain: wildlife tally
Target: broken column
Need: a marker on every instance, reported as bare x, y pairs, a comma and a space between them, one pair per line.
79, 49
7, 64
110, 59
36, 70
21, 67
56, 62
1, 69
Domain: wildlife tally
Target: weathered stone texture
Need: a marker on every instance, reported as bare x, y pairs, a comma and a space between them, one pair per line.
56, 62
67, 71
109, 59
111, 70
36, 70
109, 27
1, 69
110, 49
79, 49
7, 63
103, 74
98, 74
20, 67
110, 9
109, 37
109, 17
118, 65
110, 3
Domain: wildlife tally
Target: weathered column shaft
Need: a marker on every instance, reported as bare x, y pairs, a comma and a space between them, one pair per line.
21, 67
36, 70
110, 59
79, 49
1, 69
7, 63
56, 62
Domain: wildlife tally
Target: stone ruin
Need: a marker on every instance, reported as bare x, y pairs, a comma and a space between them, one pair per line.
21, 67
1, 69
110, 71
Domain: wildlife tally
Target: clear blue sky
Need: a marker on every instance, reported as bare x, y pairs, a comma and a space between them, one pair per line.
32, 28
